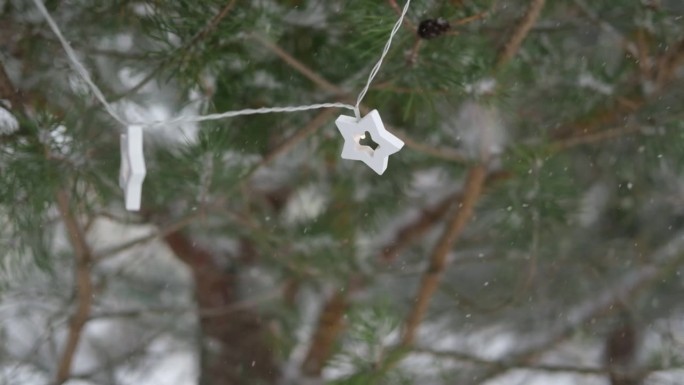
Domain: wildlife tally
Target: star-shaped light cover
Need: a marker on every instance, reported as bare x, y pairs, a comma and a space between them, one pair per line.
354, 131
133, 170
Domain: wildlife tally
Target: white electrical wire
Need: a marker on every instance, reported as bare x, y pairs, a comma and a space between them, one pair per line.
249, 111
77, 64
81, 70
376, 68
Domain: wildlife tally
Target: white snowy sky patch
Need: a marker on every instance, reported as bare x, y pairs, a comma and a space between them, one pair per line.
8, 123
587, 80
306, 204
480, 129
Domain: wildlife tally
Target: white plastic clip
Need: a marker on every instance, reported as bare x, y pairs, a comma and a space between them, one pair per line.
132, 173
354, 130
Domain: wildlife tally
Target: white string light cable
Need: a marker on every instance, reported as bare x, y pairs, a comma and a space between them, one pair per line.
376, 68
352, 129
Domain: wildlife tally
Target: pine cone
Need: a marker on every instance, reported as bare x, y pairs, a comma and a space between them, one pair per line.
431, 28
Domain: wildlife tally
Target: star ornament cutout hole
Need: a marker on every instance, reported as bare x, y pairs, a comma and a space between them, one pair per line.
375, 150
132, 172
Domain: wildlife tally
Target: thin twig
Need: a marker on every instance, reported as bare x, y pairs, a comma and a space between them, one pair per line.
512, 46
588, 12
593, 137
470, 19
668, 64
397, 10
316, 123
148, 238
300, 67
443, 153
203, 313
213, 23
83, 286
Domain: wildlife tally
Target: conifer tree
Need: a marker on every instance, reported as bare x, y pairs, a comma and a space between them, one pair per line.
530, 229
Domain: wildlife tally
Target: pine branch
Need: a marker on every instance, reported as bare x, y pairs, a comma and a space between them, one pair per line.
314, 125
607, 117
330, 324
668, 64
297, 65
83, 255
599, 304
83, 284
438, 259
427, 219
213, 23
594, 137
629, 46
511, 48
442, 153
199, 36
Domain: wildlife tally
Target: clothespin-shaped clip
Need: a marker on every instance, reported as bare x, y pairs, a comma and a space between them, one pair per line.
132, 173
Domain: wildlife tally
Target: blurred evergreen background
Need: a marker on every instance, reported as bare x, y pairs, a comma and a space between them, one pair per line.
530, 232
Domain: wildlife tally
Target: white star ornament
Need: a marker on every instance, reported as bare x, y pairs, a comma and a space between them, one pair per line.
354, 131
132, 172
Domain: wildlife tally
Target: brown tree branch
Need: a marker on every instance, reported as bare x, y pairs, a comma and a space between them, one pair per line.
239, 352
397, 9
8, 91
330, 325
297, 65
512, 46
331, 320
669, 63
213, 23
438, 259
593, 137
83, 285
428, 218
